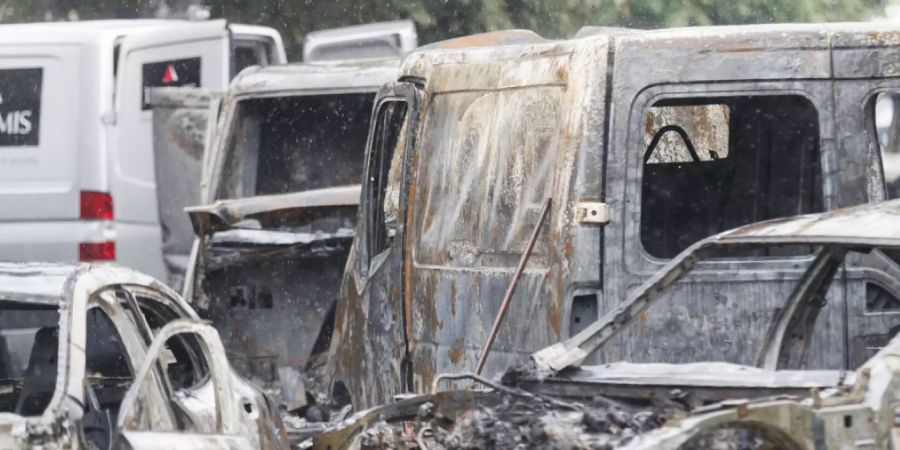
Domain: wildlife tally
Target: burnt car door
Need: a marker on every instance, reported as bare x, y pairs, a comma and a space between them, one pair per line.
691, 159
374, 286
136, 424
867, 107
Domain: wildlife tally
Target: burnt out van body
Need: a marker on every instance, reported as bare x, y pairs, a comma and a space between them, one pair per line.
644, 142
279, 200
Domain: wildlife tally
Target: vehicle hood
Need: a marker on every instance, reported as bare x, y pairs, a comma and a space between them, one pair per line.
224, 214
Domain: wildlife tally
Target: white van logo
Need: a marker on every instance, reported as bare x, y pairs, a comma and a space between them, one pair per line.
15, 122
170, 76
20, 106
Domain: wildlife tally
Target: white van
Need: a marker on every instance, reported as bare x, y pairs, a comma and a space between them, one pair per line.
77, 178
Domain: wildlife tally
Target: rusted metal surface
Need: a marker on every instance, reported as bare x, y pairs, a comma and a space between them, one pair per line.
672, 406
267, 266
502, 125
74, 415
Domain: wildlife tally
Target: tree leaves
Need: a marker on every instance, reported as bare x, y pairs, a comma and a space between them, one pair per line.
442, 19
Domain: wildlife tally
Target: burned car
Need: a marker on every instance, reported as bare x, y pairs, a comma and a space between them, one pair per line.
280, 198
554, 400
99, 356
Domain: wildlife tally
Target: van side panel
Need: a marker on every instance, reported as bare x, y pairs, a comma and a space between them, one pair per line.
40, 135
483, 175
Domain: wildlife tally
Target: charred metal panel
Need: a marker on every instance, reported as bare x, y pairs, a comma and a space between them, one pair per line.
600, 87
268, 316
179, 137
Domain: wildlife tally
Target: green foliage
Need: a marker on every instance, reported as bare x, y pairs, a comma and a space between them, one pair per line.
442, 19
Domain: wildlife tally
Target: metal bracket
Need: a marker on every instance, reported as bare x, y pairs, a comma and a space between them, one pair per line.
591, 212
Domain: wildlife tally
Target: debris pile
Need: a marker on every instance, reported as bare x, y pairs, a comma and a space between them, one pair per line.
514, 422
518, 424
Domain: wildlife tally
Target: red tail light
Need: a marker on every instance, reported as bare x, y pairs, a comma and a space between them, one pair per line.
96, 205
96, 251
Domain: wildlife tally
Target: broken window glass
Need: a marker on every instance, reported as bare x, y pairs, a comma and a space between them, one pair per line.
29, 345
886, 125
712, 164
290, 144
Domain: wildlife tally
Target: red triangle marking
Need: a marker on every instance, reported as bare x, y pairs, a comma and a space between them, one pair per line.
169, 76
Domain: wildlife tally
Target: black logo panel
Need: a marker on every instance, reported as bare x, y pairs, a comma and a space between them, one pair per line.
20, 106
174, 73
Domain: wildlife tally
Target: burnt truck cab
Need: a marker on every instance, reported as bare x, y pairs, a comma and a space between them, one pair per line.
280, 194
645, 142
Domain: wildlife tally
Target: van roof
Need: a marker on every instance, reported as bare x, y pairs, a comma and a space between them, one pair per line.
82, 31
351, 74
492, 46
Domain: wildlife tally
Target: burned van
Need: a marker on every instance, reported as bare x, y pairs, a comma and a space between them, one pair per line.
281, 190
636, 144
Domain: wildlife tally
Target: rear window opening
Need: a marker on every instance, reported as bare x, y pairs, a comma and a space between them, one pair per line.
712, 164
248, 52
291, 144
888, 131
29, 346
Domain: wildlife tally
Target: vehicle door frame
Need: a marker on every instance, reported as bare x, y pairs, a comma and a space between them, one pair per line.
855, 109
367, 266
625, 175
228, 418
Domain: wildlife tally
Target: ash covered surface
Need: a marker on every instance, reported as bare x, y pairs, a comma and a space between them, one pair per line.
516, 422
518, 425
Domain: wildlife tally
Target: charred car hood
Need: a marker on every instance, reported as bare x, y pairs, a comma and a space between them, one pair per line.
224, 214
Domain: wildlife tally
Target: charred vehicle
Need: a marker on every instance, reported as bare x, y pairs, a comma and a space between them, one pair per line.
775, 402
280, 195
104, 357
636, 144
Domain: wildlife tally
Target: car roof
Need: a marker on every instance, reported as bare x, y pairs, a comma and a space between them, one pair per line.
362, 74
42, 283
53, 283
872, 224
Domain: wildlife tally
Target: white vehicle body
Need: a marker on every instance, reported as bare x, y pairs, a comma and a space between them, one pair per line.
77, 176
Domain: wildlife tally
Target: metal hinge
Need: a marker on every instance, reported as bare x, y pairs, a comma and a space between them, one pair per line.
591, 212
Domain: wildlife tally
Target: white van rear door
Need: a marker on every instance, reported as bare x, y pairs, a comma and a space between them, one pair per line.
196, 55
40, 92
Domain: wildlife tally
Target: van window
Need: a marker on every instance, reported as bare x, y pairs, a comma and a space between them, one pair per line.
487, 164
887, 113
389, 128
289, 144
712, 164
250, 52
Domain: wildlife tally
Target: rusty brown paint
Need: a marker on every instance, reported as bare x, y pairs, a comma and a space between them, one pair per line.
491, 39
455, 354
453, 297
553, 317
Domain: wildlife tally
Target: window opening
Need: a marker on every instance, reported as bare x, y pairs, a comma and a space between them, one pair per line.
712, 164
391, 117
291, 144
29, 345
887, 114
